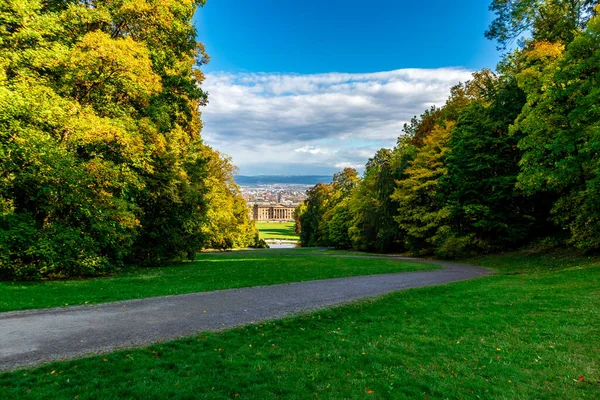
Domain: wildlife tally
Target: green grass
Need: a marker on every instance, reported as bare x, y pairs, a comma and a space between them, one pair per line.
209, 272
277, 230
532, 331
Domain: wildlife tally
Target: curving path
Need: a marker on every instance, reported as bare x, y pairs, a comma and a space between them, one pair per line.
38, 336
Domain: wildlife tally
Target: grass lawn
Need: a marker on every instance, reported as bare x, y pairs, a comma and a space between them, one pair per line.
208, 272
277, 230
530, 332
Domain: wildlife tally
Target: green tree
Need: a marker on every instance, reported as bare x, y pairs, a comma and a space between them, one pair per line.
298, 216
227, 222
560, 123
422, 210
546, 20
422, 213
485, 209
101, 156
338, 221
336, 217
324, 220
318, 202
344, 182
373, 227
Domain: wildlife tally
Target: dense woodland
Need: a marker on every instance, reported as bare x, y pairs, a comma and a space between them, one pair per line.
101, 159
102, 163
511, 159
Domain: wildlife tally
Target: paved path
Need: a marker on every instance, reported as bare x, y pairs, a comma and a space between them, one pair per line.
37, 336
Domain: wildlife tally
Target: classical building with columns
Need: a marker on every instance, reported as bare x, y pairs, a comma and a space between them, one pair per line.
270, 212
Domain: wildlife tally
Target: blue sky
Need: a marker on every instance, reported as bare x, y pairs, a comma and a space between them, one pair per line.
309, 87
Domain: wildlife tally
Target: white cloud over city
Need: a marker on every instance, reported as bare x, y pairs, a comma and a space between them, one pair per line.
315, 124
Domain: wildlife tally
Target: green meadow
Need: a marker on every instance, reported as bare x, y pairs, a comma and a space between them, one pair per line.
530, 331
210, 271
277, 230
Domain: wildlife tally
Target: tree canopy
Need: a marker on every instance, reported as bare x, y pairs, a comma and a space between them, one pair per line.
101, 158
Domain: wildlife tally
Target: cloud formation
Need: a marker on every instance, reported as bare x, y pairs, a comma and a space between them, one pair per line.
305, 124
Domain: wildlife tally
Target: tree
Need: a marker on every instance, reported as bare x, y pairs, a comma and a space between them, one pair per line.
101, 156
298, 216
344, 182
420, 127
547, 20
482, 167
227, 221
318, 201
422, 212
421, 209
561, 131
338, 224
373, 227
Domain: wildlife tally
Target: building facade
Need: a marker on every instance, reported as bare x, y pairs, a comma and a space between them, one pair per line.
270, 212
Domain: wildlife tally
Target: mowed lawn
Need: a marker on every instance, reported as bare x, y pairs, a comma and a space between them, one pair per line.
277, 230
532, 331
208, 272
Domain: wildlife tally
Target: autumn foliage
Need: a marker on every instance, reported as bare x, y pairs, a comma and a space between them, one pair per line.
101, 158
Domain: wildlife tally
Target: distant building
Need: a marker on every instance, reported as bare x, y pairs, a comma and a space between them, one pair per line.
272, 212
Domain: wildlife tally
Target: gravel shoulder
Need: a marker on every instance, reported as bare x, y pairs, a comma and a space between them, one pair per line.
34, 337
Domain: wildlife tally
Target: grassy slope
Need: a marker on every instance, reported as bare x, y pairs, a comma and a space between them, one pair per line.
531, 331
277, 230
209, 272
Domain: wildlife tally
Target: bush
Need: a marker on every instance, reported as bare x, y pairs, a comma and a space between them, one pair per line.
455, 247
58, 251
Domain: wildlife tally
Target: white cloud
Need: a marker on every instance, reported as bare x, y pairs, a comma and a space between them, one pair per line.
314, 150
343, 165
290, 124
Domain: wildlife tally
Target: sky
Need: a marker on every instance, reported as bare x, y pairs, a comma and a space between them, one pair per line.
310, 87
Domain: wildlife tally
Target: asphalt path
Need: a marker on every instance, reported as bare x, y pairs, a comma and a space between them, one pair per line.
34, 337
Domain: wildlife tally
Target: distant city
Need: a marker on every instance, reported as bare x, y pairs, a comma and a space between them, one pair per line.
279, 193
278, 189
273, 198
